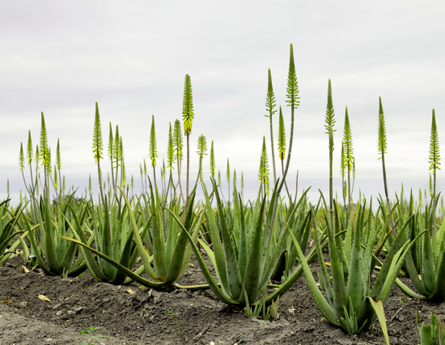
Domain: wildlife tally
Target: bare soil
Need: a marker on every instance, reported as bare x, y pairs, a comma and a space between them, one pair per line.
172, 316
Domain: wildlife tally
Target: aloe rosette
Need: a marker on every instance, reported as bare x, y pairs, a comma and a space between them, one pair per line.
244, 259
351, 302
167, 256
431, 333
54, 255
8, 221
425, 263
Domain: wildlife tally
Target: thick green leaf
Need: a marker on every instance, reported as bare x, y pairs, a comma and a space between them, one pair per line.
120, 267
316, 293
232, 269
213, 285
377, 306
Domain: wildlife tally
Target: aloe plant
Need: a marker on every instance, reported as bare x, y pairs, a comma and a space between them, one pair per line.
111, 231
54, 256
245, 260
425, 264
168, 256
8, 221
351, 302
431, 333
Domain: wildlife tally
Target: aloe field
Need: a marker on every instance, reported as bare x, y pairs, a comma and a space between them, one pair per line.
161, 265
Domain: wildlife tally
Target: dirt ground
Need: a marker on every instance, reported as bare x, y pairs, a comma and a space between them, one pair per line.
174, 316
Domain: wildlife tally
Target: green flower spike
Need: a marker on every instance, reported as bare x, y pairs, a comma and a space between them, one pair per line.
97, 137
212, 161
153, 146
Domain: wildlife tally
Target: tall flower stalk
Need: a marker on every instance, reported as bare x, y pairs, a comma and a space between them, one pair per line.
153, 147
97, 149
282, 149
434, 161
348, 160
382, 147
263, 174
187, 116
293, 101
329, 125
170, 158
44, 154
177, 148
202, 151
212, 161
59, 167
270, 105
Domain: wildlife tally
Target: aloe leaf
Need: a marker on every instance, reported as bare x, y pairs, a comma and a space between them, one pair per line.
393, 273
89, 260
48, 240
269, 228
326, 281
348, 244
211, 256
405, 289
32, 239
428, 271
384, 271
125, 258
338, 281
5, 243
120, 267
413, 275
213, 285
355, 279
177, 259
378, 309
216, 242
272, 263
231, 263
197, 223
253, 274
68, 257
316, 293
158, 235
19, 241
297, 272
243, 245
426, 337
171, 236
439, 291
138, 239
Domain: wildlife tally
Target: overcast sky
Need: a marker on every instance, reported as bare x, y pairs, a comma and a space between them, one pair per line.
60, 57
